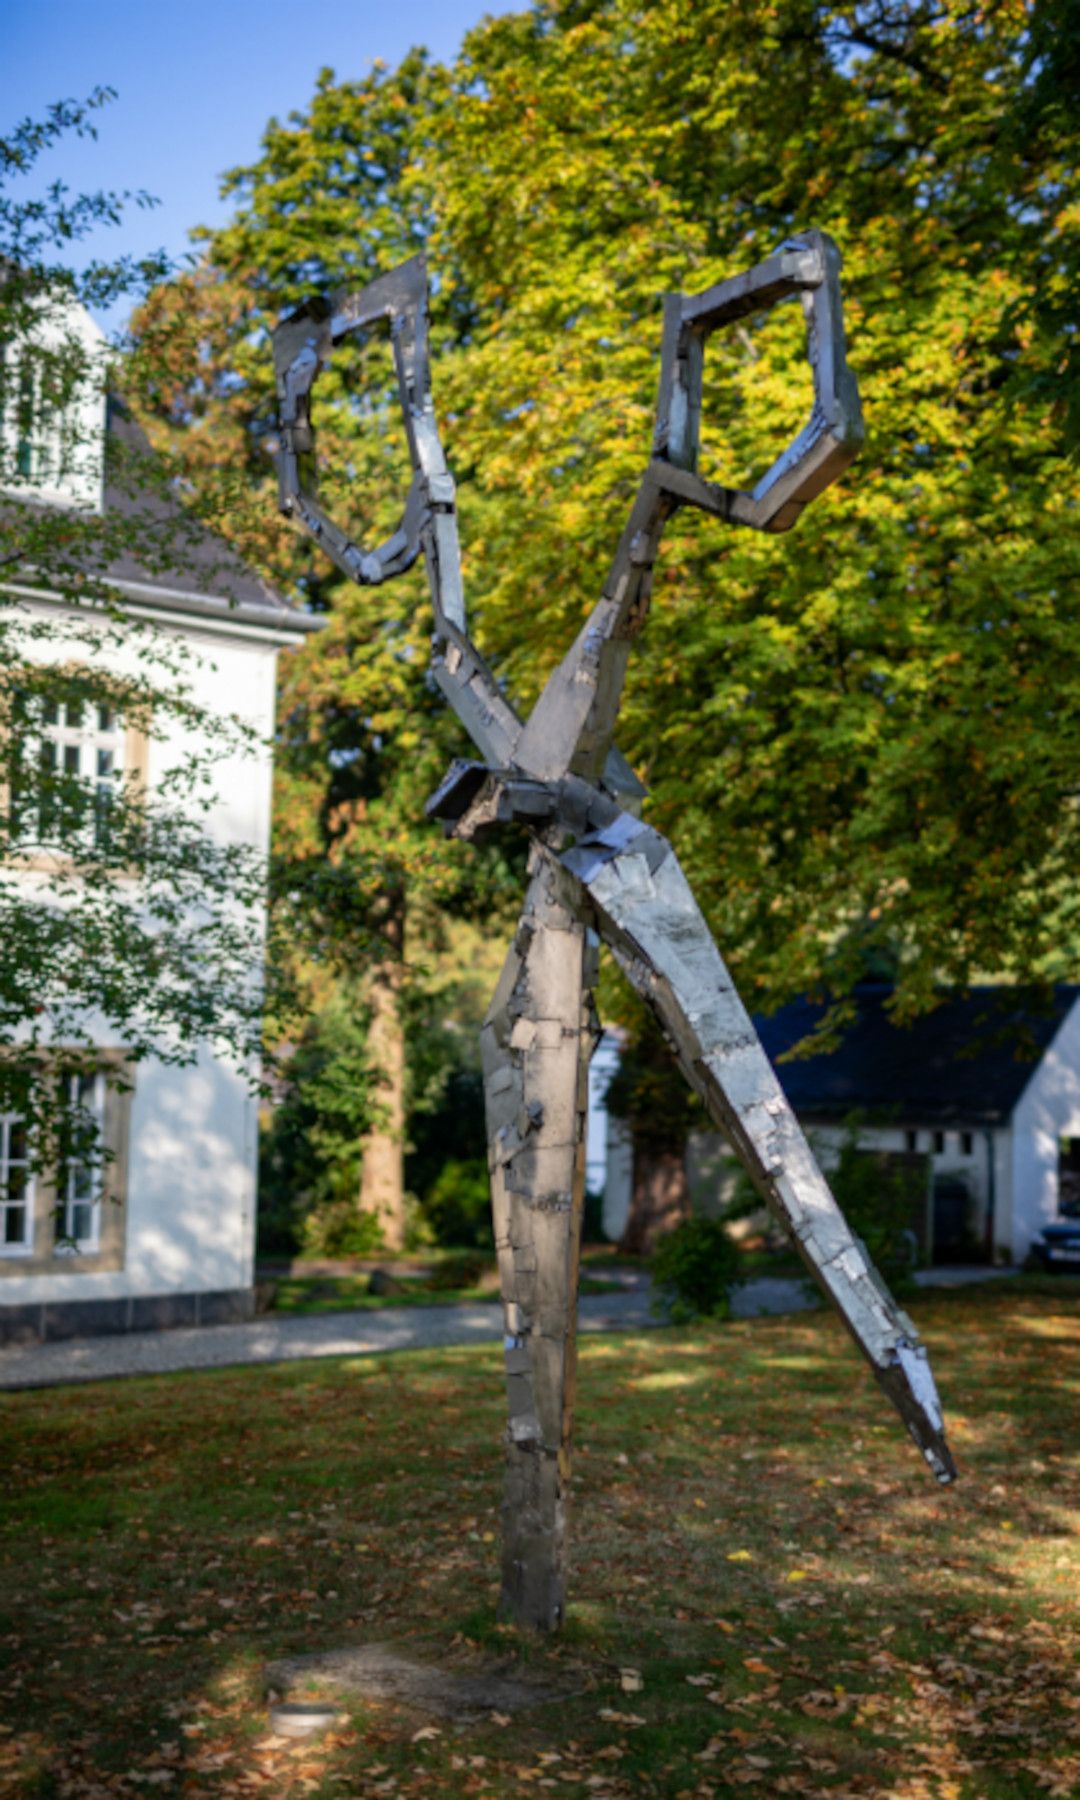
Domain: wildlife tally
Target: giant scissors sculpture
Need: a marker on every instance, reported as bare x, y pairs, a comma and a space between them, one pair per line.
598, 873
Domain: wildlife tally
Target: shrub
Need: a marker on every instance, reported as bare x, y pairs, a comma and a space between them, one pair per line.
876, 1197
592, 1224
693, 1269
459, 1271
880, 1195
339, 1228
309, 1153
457, 1205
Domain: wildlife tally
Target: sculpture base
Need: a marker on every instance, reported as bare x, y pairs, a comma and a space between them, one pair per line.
383, 1673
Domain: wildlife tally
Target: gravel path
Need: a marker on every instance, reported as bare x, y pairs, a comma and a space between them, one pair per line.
291, 1338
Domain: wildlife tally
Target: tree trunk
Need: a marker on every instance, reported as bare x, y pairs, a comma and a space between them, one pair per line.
382, 1173
660, 1198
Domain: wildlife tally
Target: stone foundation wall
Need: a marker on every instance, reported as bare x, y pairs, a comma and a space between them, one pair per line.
49, 1321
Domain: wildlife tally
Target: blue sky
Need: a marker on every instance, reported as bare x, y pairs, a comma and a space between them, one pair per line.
196, 82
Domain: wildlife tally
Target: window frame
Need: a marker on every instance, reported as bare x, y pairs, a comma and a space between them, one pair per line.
15, 1250
39, 431
132, 748
66, 1240
49, 1251
67, 830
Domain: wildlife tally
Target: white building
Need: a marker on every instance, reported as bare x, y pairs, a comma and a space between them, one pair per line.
165, 1235
981, 1097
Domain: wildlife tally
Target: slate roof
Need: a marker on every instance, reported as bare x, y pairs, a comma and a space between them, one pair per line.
208, 571
197, 573
967, 1062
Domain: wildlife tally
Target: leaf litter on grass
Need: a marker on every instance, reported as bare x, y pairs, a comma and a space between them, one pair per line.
163, 1540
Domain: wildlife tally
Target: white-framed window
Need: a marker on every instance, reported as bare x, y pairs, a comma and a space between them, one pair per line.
16, 1188
78, 1201
77, 746
72, 1213
38, 429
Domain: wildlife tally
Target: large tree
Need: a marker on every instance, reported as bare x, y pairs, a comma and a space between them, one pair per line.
364, 739
868, 726
862, 737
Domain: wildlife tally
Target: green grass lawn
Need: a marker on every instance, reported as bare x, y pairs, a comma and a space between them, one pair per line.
755, 1543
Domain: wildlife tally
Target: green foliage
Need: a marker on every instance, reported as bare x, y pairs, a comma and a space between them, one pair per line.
861, 737
310, 1149
455, 1273
338, 1227
457, 1205
649, 1091
446, 1164
694, 1268
848, 727
880, 1196
336, 194
1043, 134
446, 1151
592, 1219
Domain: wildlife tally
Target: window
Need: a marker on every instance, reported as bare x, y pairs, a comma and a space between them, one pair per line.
24, 425
39, 436
1069, 1178
67, 800
81, 753
911, 1141
967, 1143
71, 1217
16, 1189
78, 1205
939, 1143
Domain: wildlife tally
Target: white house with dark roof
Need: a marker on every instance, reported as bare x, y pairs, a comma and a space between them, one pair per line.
174, 1241
982, 1095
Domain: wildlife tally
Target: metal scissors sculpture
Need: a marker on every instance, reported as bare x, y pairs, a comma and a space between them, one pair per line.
598, 873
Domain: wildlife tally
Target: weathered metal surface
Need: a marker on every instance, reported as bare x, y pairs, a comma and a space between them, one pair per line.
536, 1043
631, 878
596, 869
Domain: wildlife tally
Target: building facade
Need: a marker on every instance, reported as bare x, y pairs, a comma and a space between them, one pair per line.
163, 1233
980, 1099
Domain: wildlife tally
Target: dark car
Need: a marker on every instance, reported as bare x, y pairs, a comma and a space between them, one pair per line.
1059, 1250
